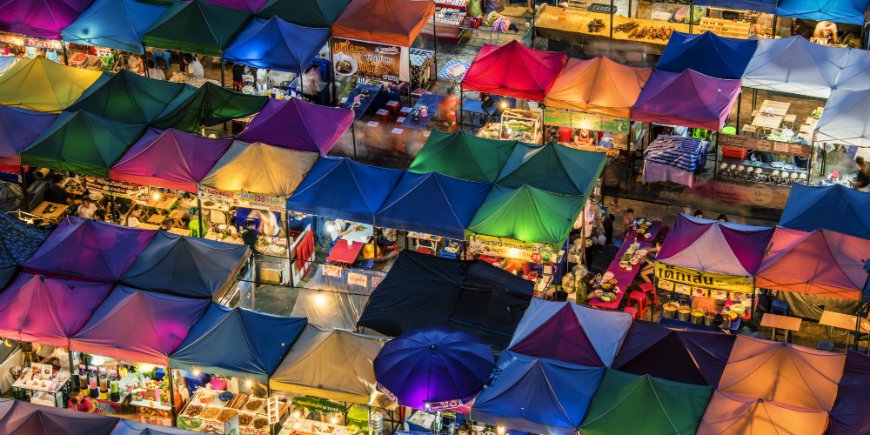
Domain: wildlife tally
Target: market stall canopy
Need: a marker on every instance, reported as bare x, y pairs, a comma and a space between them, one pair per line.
6, 62
18, 129
688, 99
237, 342
186, 266
513, 70
298, 125
42, 85
837, 11
537, 396
733, 414
836, 208
707, 53
795, 66
330, 363
338, 187
276, 44
309, 13
391, 22
851, 413
855, 75
597, 85
627, 403
89, 249
130, 427
81, 143
572, 333
552, 167
680, 355
328, 307
196, 27
39, 18
139, 326
129, 97
23, 418
432, 204
846, 119
260, 168
117, 24
766, 6
422, 291
527, 214
783, 372
48, 311
241, 5
716, 247
170, 159
208, 105
463, 155
18, 242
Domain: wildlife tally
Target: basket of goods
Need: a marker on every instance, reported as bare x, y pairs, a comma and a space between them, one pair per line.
684, 313
670, 310
697, 316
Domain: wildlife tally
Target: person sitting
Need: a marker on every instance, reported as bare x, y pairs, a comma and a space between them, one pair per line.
87, 209
79, 403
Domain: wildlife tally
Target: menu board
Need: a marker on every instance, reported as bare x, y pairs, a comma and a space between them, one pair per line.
371, 60
586, 121
115, 188
242, 199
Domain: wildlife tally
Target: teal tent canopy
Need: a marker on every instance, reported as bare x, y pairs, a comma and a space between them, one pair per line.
209, 105
196, 27
552, 167
129, 97
463, 155
309, 13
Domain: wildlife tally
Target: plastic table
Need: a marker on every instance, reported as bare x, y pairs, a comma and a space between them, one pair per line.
624, 277
344, 253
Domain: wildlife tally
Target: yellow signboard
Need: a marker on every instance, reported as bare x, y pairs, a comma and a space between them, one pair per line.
504, 247
696, 278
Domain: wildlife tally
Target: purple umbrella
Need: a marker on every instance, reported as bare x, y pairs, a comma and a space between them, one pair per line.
433, 368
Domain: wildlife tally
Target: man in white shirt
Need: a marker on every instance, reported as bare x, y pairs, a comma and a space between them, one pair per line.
194, 68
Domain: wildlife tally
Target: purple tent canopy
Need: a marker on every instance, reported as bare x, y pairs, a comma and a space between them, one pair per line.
18, 129
851, 412
22, 418
298, 125
434, 367
242, 5
89, 249
40, 18
716, 247
689, 99
680, 355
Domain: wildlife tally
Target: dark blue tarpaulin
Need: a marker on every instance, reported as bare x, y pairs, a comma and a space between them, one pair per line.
338, 187
851, 412
186, 266
18, 129
432, 204
836, 208
768, 6
18, 241
838, 11
537, 395
237, 342
117, 24
276, 44
715, 56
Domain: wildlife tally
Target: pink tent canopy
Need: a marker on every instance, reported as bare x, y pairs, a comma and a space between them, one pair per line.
169, 159
89, 249
820, 262
729, 414
298, 125
688, 99
513, 70
139, 326
40, 18
716, 247
47, 311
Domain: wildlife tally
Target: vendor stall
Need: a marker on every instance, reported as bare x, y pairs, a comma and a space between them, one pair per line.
18, 242
463, 155
795, 66
849, 414
42, 85
838, 24
675, 159
704, 101
554, 168
22, 418
736, 18
297, 125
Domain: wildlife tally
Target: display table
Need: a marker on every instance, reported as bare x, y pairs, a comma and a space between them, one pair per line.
624, 277
431, 102
344, 253
365, 103
833, 319
47, 392
567, 24
361, 233
654, 172
770, 114
676, 323
240, 414
775, 321
311, 427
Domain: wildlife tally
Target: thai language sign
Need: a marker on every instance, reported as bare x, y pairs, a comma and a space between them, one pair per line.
707, 280
367, 59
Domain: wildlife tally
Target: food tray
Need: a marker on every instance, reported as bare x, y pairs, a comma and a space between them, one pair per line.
254, 405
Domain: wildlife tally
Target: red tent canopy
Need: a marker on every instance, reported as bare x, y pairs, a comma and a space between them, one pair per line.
513, 70
396, 22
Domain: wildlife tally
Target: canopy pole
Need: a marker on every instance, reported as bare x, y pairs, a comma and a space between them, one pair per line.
222, 69
145, 66
171, 393
289, 251
461, 97
353, 135
199, 215
434, 45
71, 365
24, 186
691, 15
333, 98
739, 100
63, 50
301, 86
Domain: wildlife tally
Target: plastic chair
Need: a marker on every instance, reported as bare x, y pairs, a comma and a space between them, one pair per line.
780, 307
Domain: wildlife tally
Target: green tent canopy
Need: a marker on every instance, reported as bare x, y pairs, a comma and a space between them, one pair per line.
82, 143
463, 155
552, 167
308, 13
129, 97
209, 105
196, 27
527, 214
643, 405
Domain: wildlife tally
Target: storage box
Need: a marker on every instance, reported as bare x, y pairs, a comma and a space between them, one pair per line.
734, 152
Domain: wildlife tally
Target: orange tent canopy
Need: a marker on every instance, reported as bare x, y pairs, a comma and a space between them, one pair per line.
781, 372
396, 22
820, 262
597, 85
730, 414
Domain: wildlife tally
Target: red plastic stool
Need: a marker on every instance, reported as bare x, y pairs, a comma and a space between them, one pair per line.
648, 289
393, 107
639, 298
632, 311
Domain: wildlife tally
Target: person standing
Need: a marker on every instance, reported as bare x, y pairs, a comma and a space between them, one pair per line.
862, 177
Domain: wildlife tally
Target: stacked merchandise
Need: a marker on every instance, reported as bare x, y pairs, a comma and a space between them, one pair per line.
675, 159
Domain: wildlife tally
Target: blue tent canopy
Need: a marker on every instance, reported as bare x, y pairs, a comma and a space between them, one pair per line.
433, 204
767, 6
537, 395
186, 266
838, 11
836, 208
6, 62
276, 44
117, 24
715, 56
237, 342
342, 188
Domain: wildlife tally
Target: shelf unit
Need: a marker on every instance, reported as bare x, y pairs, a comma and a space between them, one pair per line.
449, 17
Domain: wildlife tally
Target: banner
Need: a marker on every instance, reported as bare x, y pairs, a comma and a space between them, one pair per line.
242, 199
771, 146
510, 248
115, 188
370, 60
585, 121
686, 279
30, 41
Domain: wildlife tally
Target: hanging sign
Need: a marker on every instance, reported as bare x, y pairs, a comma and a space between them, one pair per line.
368, 59
585, 121
242, 199
688, 278
115, 188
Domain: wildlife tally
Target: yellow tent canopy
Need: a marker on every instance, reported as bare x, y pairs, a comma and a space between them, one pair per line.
731, 414
597, 85
260, 168
43, 85
331, 364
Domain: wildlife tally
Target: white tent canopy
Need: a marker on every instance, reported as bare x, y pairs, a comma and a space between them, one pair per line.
795, 66
846, 119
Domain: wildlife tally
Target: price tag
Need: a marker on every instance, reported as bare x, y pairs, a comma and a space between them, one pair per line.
331, 270
780, 147
273, 408
357, 279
